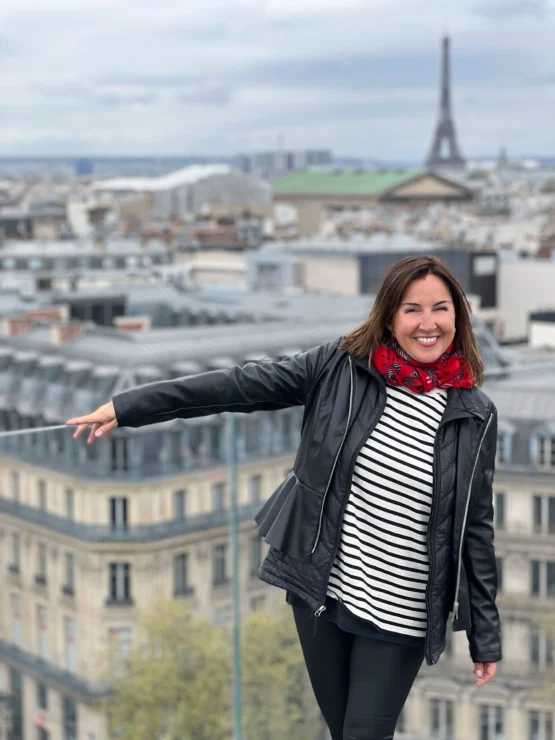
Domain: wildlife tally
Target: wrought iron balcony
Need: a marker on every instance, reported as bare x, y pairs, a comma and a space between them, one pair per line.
53, 675
138, 533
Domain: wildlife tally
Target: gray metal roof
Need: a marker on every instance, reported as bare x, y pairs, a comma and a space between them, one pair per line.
526, 395
40, 378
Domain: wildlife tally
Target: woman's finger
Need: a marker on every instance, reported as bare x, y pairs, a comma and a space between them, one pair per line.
91, 435
80, 430
105, 429
486, 678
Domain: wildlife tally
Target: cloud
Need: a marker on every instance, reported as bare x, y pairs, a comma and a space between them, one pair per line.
219, 76
502, 9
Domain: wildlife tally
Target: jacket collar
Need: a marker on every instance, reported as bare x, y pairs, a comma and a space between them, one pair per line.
461, 402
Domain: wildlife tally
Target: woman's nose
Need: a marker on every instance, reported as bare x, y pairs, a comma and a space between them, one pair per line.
428, 323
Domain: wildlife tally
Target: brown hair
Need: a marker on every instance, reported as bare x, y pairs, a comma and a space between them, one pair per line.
374, 332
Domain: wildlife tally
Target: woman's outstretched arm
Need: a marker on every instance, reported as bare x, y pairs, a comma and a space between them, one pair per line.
268, 385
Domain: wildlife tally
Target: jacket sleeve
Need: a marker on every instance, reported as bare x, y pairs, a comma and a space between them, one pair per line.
484, 636
268, 385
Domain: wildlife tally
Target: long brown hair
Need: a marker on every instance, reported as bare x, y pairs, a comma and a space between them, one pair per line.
374, 332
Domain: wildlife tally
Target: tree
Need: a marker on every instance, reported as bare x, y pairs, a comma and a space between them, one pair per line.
278, 699
177, 682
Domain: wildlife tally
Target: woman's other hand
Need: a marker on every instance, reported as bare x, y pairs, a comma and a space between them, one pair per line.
484, 672
101, 422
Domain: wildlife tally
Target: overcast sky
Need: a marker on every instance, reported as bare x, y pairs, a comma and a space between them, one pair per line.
360, 77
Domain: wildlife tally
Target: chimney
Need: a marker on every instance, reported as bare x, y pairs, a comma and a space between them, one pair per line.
14, 326
67, 331
132, 323
49, 313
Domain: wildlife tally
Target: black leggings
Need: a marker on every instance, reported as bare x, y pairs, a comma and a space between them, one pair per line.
360, 684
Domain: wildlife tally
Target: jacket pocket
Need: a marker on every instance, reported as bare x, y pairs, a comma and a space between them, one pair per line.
289, 520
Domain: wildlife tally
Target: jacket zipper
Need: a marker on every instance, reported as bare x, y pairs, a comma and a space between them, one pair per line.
459, 564
431, 522
368, 432
336, 459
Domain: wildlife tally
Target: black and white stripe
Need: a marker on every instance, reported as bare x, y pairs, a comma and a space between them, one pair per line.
381, 569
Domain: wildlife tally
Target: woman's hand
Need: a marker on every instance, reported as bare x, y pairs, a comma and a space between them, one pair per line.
484, 672
101, 422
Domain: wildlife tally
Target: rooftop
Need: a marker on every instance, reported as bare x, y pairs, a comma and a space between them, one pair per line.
363, 182
185, 176
382, 242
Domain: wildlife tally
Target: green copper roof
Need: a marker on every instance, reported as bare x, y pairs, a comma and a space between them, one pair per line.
341, 183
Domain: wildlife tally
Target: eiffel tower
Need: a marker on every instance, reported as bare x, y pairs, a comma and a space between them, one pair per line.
445, 129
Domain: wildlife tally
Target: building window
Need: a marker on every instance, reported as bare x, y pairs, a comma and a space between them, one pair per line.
42, 495
255, 555
491, 723
70, 503
42, 565
42, 695
545, 451
69, 585
543, 578
15, 565
180, 505
499, 564
118, 514
252, 433
69, 709
499, 510
42, 628
119, 454
441, 719
120, 583
540, 725
16, 690
215, 442
120, 642
504, 447
255, 488
218, 496
544, 514
70, 644
219, 576
181, 585
222, 616
286, 430
16, 491
541, 648
17, 636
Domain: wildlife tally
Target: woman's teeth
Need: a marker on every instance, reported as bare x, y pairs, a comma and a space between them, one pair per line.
427, 340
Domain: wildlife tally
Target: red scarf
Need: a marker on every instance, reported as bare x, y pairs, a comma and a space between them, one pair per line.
398, 368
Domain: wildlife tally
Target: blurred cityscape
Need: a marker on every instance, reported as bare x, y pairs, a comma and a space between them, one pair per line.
122, 271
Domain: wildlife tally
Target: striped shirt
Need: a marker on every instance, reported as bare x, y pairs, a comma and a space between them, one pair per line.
381, 569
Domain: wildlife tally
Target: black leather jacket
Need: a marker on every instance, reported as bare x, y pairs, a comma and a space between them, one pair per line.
343, 400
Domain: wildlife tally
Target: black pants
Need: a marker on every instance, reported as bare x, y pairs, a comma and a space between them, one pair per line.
360, 684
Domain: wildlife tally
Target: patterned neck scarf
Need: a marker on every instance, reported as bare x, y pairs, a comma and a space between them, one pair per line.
398, 368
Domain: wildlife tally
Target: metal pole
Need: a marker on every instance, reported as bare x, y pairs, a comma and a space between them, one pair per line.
236, 586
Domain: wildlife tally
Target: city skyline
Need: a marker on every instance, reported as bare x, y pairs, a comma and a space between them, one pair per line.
360, 78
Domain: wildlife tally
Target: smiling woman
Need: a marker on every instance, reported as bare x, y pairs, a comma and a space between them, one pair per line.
422, 313
384, 525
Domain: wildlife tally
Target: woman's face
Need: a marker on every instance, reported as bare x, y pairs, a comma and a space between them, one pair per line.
424, 324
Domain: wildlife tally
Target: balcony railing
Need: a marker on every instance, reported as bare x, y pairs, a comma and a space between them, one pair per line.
138, 533
46, 672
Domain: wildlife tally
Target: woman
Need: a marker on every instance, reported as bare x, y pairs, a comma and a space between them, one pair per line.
383, 531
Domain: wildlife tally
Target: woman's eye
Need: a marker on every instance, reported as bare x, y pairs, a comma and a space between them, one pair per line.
441, 308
